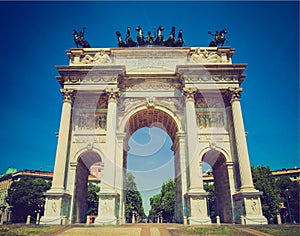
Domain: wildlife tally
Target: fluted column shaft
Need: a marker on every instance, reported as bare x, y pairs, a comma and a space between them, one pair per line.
109, 175
196, 179
240, 139
58, 183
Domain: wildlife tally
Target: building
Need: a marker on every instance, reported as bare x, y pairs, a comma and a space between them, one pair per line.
12, 175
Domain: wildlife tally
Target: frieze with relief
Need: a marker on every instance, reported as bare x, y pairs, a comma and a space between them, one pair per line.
204, 56
210, 119
99, 58
90, 121
142, 84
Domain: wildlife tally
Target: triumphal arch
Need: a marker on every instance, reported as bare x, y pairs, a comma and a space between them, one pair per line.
192, 93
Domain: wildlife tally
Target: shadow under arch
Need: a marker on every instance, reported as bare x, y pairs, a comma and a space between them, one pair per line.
223, 202
165, 120
85, 161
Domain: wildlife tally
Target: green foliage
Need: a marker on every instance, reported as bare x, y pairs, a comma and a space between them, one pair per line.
164, 202
264, 181
134, 200
155, 206
289, 192
92, 199
210, 188
27, 196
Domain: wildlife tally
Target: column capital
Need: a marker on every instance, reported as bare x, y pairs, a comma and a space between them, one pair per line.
68, 95
189, 93
113, 94
234, 94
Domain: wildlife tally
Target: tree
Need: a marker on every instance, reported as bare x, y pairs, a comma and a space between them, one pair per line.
164, 203
92, 199
264, 181
168, 200
26, 197
155, 207
134, 202
211, 198
289, 193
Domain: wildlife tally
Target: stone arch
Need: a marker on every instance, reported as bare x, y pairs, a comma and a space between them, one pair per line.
85, 159
166, 120
134, 110
217, 159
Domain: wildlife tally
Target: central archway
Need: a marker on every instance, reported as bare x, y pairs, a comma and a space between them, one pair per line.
154, 117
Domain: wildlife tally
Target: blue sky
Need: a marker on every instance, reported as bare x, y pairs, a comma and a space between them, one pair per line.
35, 35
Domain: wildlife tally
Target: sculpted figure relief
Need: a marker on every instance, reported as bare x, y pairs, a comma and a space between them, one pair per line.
99, 58
205, 56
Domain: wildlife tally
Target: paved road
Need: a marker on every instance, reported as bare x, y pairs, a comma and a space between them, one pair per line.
131, 230
126, 230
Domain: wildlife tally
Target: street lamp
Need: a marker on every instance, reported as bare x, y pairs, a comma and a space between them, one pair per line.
288, 205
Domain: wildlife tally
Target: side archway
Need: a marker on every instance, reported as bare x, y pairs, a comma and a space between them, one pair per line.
223, 201
85, 162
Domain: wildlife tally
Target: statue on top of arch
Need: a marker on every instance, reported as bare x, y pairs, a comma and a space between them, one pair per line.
156, 40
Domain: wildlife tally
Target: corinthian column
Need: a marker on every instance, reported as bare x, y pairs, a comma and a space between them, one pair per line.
196, 180
240, 139
109, 175
58, 183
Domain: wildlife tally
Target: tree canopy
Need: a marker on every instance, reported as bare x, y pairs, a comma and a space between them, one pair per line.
134, 202
289, 192
26, 197
264, 181
92, 199
164, 203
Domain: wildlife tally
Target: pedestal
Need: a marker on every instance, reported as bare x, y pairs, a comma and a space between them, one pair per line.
197, 208
57, 206
108, 208
248, 206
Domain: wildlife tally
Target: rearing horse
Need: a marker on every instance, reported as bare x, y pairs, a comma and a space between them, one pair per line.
159, 38
79, 39
140, 37
219, 38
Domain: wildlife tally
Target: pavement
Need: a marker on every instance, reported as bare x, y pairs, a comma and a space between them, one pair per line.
131, 230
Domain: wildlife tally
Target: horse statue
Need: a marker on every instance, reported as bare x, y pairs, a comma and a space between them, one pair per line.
159, 38
219, 38
129, 40
180, 40
171, 41
140, 37
121, 43
79, 38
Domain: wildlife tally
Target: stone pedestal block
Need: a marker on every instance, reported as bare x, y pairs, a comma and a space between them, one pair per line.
248, 206
197, 208
56, 208
108, 208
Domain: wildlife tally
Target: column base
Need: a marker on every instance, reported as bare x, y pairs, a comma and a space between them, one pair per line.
102, 220
57, 208
199, 220
197, 208
108, 207
255, 220
248, 208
